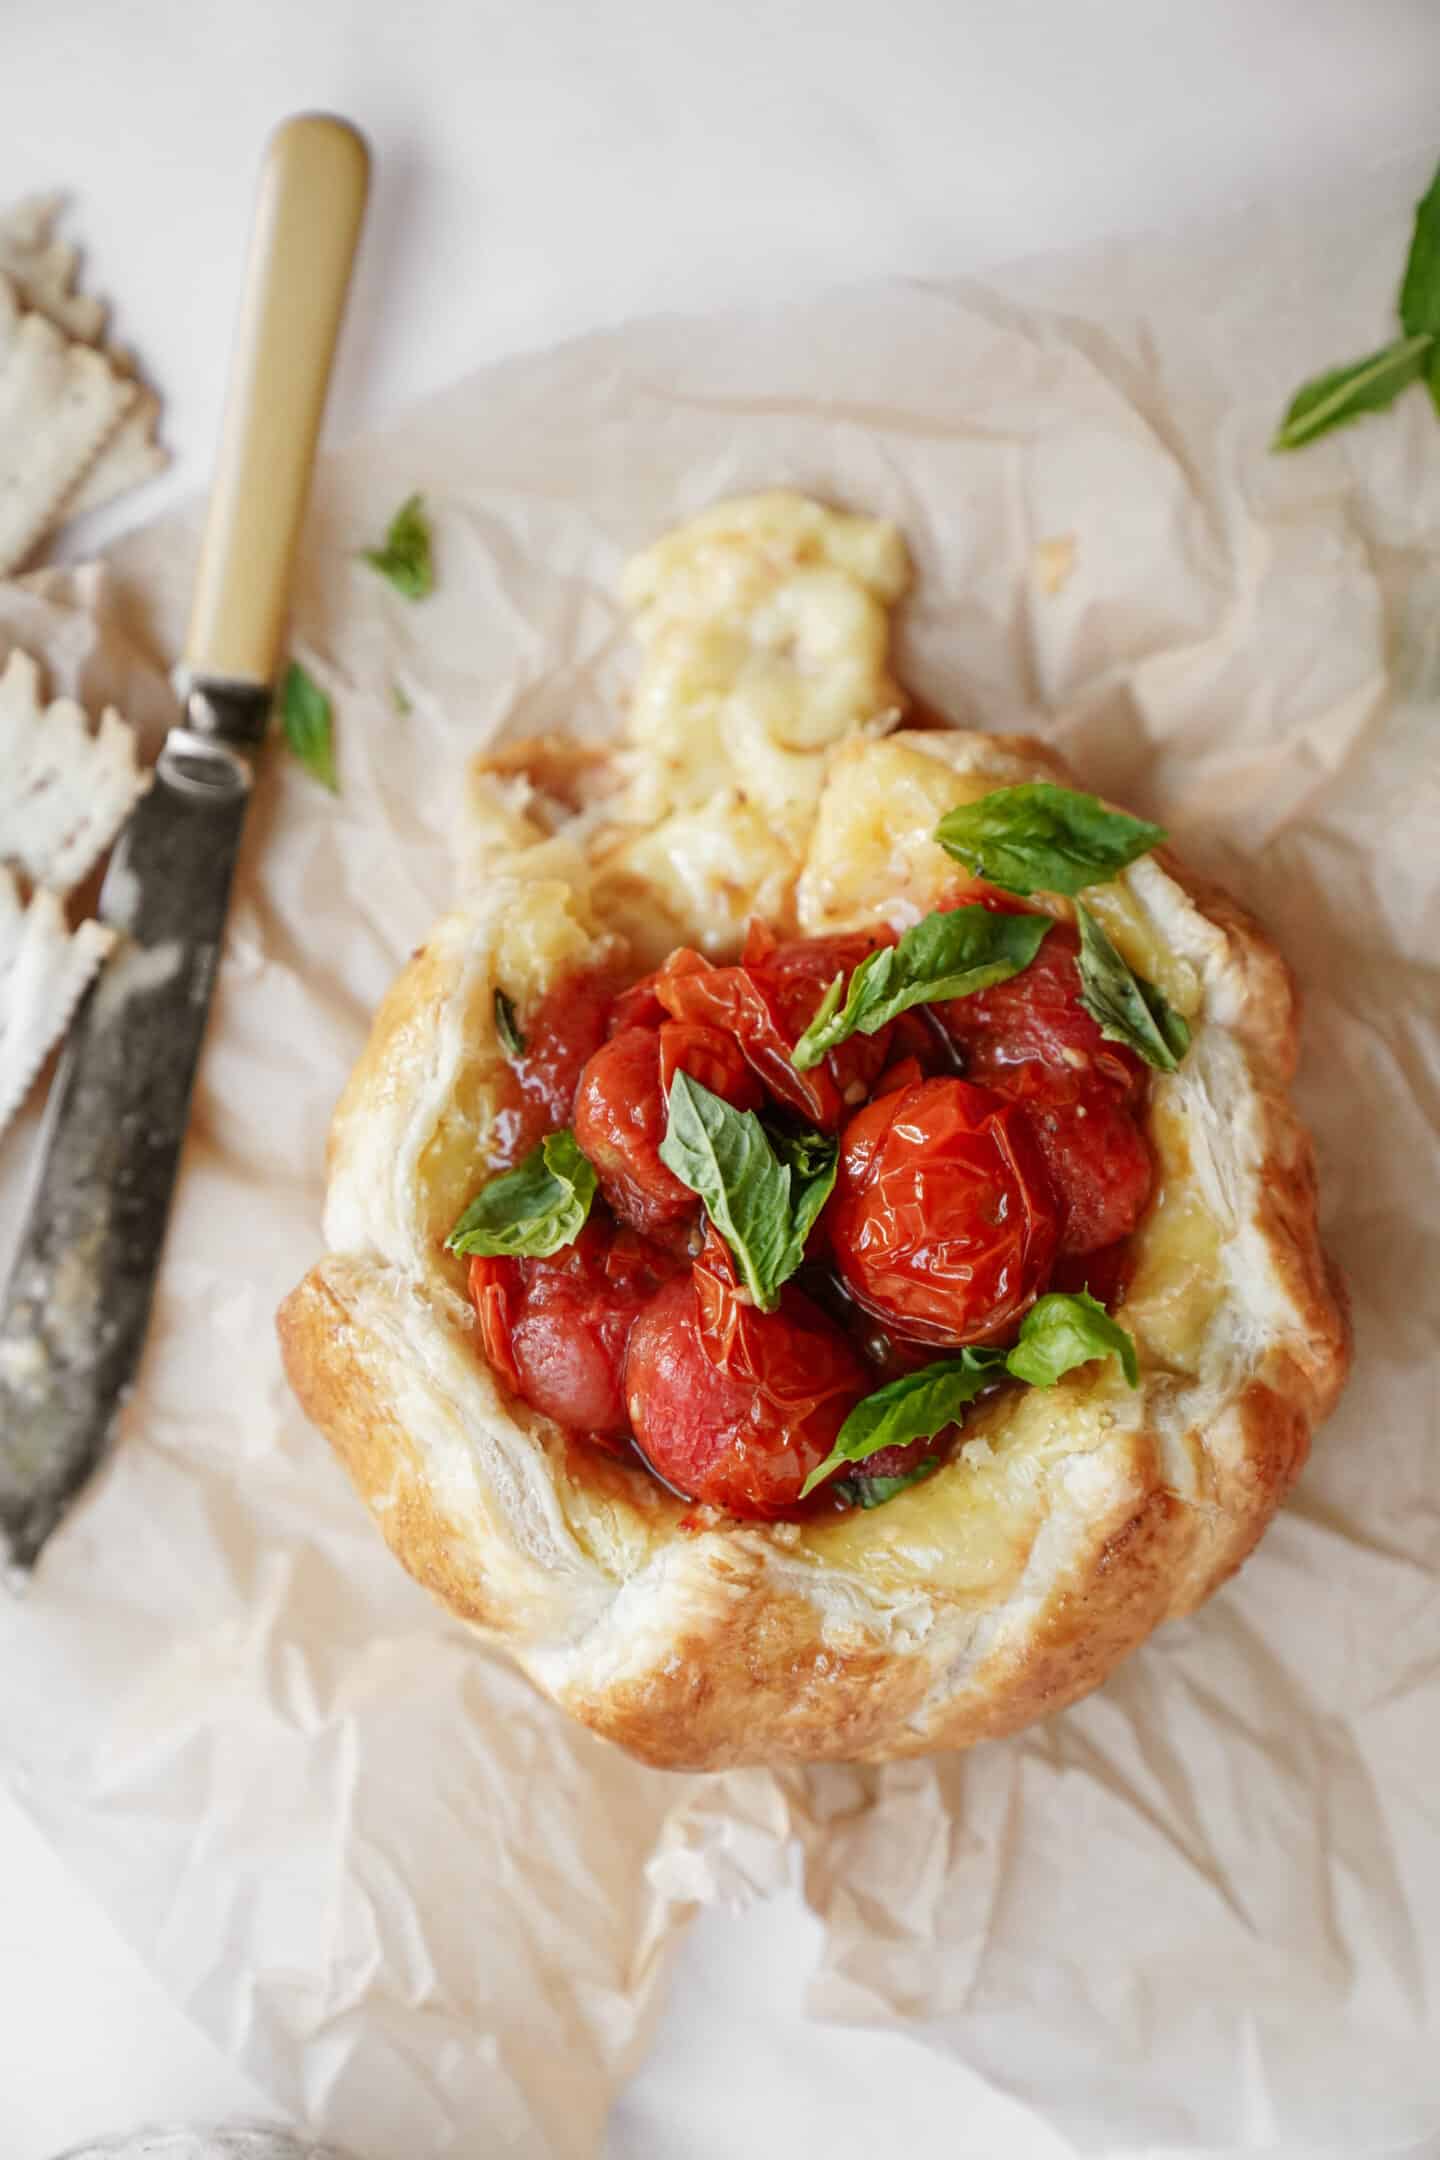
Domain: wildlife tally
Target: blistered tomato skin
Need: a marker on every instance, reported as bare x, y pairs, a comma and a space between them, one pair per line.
556, 1330
621, 1114
1036, 1017
766, 1003
1032, 1040
732, 1406
944, 1221
1097, 1156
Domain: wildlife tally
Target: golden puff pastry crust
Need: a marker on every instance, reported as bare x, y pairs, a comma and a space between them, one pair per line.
1072, 1520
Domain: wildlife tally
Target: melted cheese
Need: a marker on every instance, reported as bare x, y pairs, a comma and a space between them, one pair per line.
764, 631
873, 854
969, 1529
1179, 1279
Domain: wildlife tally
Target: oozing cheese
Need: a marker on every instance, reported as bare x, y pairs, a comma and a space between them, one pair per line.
764, 631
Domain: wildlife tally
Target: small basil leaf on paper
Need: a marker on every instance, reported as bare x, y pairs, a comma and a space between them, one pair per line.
868, 1492
762, 1197
405, 557
307, 724
946, 955
1042, 838
1343, 394
533, 1209
1062, 1331
1127, 1009
506, 1025
915, 1407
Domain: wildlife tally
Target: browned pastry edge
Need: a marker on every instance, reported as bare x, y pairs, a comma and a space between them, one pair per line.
753, 1661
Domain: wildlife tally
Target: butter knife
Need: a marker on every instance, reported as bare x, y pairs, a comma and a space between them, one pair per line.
78, 1301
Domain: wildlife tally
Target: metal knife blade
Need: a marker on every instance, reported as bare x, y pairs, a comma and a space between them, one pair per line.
75, 1311
73, 1320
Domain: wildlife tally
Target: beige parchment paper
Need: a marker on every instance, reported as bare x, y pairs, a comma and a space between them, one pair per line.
428, 1915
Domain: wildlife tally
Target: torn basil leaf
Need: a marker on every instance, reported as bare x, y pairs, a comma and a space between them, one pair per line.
946, 955
405, 557
1042, 838
1126, 1008
762, 1193
915, 1407
1064, 1330
1059, 1332
307, 724
532, 1210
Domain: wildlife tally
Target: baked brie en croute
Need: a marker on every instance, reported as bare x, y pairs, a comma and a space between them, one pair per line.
820, 1258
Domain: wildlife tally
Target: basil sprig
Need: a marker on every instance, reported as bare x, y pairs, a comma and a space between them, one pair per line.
1126, 1008
1059, 1332
1344, 394
307, 723
1042, 838
405, 556
761, 1191
533, 1209
945, 955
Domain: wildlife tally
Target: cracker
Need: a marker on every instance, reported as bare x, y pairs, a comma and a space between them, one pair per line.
127, 460
42, 272
43, 269
64, 791
59, 401
45, 968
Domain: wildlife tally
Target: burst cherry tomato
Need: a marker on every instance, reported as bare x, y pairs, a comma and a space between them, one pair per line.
733, 1406
1036, 1017
767, 1001
944, 1220
556, 1330
564, 1030
1033, 1040
1096, 1154
620, 1112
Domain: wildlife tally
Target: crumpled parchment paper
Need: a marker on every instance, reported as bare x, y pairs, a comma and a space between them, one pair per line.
427, 1914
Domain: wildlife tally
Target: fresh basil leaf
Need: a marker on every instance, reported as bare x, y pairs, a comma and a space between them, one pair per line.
533, 1209
811, 1160
1126, 1009
307, 724
1059, 1332
868, 1492
762, 1197
1042, 838
1343, 394
1062, 1331
405, 557
946, 955
915, 1407
506, 1025
1420, 288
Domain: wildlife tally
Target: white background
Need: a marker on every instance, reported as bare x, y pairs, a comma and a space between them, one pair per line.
543, 167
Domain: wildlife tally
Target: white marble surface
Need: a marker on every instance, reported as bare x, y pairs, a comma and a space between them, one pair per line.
543, 168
